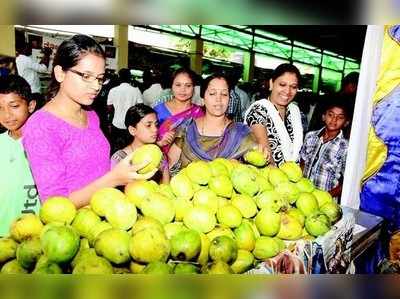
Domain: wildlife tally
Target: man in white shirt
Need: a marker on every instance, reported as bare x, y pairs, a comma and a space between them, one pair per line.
196, 99
28, 68
119, 100
151, 94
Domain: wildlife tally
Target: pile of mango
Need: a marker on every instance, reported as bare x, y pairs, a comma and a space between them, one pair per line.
216, 217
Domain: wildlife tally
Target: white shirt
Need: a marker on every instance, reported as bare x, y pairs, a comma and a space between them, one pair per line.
310, 112
151, 94
196, 99
122, 98
28, 69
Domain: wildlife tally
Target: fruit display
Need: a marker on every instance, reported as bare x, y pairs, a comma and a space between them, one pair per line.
214, 217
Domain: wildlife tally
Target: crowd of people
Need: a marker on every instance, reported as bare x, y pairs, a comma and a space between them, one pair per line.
82, 139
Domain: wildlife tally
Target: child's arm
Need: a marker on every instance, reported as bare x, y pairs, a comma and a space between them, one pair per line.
302, 164
164, 169
165, 176
167, 139
175, 151
304, 155
337, 191
174, 154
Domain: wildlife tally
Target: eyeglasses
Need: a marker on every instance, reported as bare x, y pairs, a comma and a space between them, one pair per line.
90, 78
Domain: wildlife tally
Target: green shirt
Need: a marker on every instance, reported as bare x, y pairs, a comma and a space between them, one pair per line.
18, 193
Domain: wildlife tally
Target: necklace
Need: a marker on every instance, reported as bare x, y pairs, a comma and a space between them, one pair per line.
175, 107
282, 112
220, 132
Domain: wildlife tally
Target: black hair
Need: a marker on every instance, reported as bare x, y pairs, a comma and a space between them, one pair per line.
15, 84
286, 68
192, 75
6, 59
69, 53
147, 75
22, 47
207, 81
136, 113
157, 77
40, 100
350, 78
338, 102
124, 75
234, 76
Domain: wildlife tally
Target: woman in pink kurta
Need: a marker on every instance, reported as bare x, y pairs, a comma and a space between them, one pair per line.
64, 157
68, 153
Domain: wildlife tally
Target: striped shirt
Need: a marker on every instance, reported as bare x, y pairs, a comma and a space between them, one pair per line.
324, 163
234, 110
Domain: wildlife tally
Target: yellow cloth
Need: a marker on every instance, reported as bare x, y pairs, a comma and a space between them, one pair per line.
388, 79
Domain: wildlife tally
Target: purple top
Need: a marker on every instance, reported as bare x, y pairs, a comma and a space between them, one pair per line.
64, 158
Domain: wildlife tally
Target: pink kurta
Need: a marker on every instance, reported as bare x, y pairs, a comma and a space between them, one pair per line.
64, 158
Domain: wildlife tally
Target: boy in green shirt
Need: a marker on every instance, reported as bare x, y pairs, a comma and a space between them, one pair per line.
18, 192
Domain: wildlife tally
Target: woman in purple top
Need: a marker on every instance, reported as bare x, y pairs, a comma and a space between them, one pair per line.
68, 153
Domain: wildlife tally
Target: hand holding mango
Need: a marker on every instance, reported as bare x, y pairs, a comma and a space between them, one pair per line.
142, 164
148, 156
258, 156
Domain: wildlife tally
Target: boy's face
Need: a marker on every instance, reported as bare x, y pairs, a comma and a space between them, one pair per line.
335, 119
14, 111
